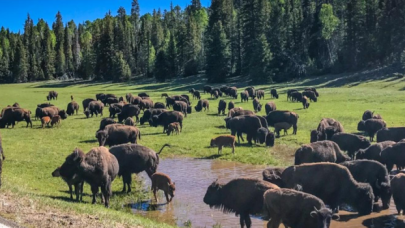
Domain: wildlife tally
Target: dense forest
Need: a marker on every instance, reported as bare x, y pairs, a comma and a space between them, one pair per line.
261, 40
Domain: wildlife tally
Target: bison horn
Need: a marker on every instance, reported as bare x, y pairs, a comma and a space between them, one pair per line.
316, 209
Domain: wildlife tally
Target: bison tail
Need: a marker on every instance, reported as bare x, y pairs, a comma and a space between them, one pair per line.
160, 151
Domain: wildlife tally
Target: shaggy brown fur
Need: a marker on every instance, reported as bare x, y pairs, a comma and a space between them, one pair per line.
224, 140
161, 181
273, 175
322, 151
398, 189
56, 120
173, 128
45, 121
71, 180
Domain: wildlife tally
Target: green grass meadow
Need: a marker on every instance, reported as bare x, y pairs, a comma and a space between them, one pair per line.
32, 154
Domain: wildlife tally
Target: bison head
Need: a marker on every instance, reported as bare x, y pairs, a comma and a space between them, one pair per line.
189, 109
314, 136
154, 121
323, 217
361, 126
262, 134
87, 113
367, 115
213, 195
63, 114
385, 192
102, 137
212, 144
363, 198
172, 190
270, 139
70, 166
276, 95
56, 172
48, 98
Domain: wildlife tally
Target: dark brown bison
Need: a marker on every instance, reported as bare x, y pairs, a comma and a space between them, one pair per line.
305, 102
135, 100
214, 94
375, 174
95, 107
251, 91
180, 106
115, 134
52, 95
221, 107
129, 110
289, 93
322, 151
134, 158
350, 142
243, 196
274, 93
166, 118
231, 105
159, 105
296, 209
170, 101
395, 134
207, 89
98, 168
373, 152
51, 112
256, 105
143, 94
296, 96
260, 94
244, 96
12, 115
326, 129
244, 124
186, 97
334, 185
313, 90
110, 100
106, 121
270, 106
71, 179
394, 155
72, 107
146, 104
311, 95
100, 96
273, 175
115, 109
371, 126
263, 135
202, 104
233, 92
398, 188
86, 103
283, 116
147, 115
197, 95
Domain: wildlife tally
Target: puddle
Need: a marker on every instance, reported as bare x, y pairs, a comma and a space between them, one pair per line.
193, 176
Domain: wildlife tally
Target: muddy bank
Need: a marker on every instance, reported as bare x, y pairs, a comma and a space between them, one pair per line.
193, 176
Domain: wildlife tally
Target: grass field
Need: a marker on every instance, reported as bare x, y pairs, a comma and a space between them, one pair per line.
32, 154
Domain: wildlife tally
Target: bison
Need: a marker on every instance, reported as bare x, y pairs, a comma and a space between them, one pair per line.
2, 158
373, 152
202, 104
270, 106
371, 126
52, 95
350, 142
260, 94
244, 96
263, 135
12, 115
256, 105
146, 104
71, 179
311, 95
221, 107
279, 116
115, 134
95, 107
394, 155
274, 93
86, 103
166, 118
305, 102
395, 134
72, 107
322, 151
231, 105
129, 110
181, 106
159, 105
147, 114
244, 124
398, 188
106, 121
223, 140
326, 129
281, 126
161, 181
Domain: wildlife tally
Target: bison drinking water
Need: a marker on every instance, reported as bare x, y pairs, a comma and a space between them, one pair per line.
161, 181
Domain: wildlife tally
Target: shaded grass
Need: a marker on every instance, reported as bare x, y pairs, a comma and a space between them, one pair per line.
32, 154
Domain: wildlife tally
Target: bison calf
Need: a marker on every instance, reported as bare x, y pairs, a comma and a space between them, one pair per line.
161, 181
45, 121
56, 120
224, 140
173, 127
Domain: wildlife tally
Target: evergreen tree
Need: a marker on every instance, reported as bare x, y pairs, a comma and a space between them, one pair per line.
104, 62
172, 57
58, 29
162, 66
20, 66
121, 70
218, 55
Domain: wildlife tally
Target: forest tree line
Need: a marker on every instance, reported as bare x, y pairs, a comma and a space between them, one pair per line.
261, 40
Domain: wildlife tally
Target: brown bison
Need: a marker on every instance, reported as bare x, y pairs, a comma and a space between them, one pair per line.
161, 181
283, 116
232, 111
231, 105
296, 96
346, 190
305, 102
12, 115
170, 101
146, 104
289, 93
98, 168
129, 110
371, 126
251, 91
133, 158
322, 151
147, 114
263, 135
202, 104
233, 92
243, 196
311, 95
115, 134
244, 124
395, 134
223, 140
221, 107
56, 120
166, 118
273, 175
313, 90
270, 106
394, 155
51, 112
115, 109
143, 94
46, 120
159, 105
326, 129
207, 89
72, 107
129, 122
180, 106
52, 95
106, 121
375, 174
241, 112
173, 128
197, 95
244, 96
274, 93
296, 209
95, 107
256, 105
71, 179
260, 94
350, 142
398, 188
281, 126
373, 152
86, 103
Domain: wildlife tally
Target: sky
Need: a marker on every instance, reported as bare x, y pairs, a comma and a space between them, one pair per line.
14, 12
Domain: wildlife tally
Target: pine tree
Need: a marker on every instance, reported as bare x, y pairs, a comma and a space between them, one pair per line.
162, 66
47, 50
121, 69
104, 62
20, 68
218, 55
58, 29
136, 41
172, 56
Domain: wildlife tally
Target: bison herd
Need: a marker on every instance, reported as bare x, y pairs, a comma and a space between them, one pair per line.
347, 168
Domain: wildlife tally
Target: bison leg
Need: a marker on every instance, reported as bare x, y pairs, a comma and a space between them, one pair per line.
105, 191
94, 190
154, 194
127, 181
295, 128
167, 197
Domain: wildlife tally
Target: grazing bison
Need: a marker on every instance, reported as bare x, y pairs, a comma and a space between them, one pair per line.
289, 93
371, 126
166, 118
221, 107
161, 181
106, 121
129, 122
181, 106
51, 112
243, 196
263, 135
12, 115
129, 110
296, 209
98, 168
244, 96
350, 142
215, 94
170, 101
394, 155
86, 103
296, 96
135, 100
260, 94
224, 140
134, 158
110, 100
395, 134
115, 134
251, 91
2, 157
273, 175
143, 94
72, 107
207, 89
322, 151
52, 95
283, 116
147, 114
270, 106
256, 105
373, 152
202, 104
231, 105
233, 92
305, 102
146, 104
197, 95
375, 174
159, 105
244, 124
347, 190
115, 109
311, 95
274, 93
95, 107
326, 129
186, 97
71, 179
313, 90
398, 188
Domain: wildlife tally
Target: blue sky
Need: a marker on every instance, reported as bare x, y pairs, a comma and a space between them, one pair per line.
14, 12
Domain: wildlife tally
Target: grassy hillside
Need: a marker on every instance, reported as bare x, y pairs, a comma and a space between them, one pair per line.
32, 154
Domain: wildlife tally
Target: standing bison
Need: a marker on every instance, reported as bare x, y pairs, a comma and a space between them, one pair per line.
373, 152
72, 107
129, 110
326, 129
86, 103
311, 95
322, 151
202, 104
221, 107
52, 95
166, 118
95, 107
12, 115
395, 134
147, 114
371, 126
394, 155
115, 134
274, 93
256, 105
270, 106
244, 124
283, 116
350, 142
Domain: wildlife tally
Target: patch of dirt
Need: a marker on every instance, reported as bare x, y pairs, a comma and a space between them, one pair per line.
26, 212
